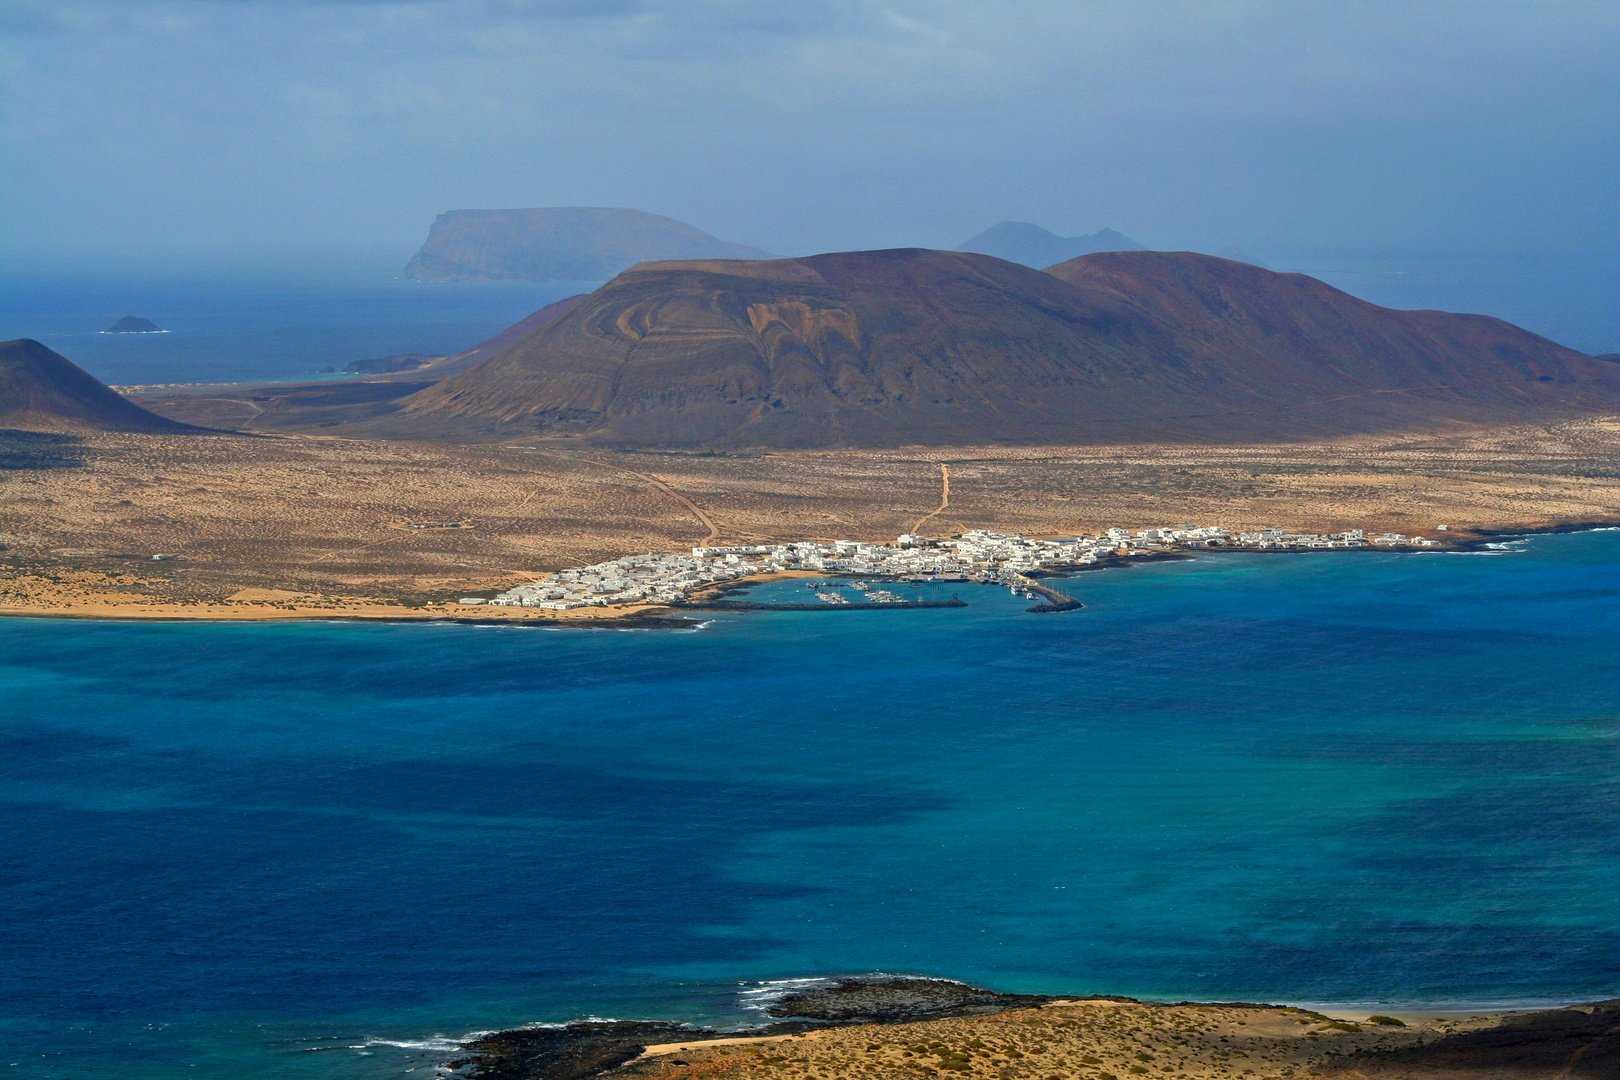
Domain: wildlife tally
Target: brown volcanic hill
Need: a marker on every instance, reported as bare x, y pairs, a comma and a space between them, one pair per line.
558, 243
41, 390
901, 347
1270, 328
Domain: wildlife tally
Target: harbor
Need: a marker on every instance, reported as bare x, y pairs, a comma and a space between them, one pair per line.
978, 556
845, 605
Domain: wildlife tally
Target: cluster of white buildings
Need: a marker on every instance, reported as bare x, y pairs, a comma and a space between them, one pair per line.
979, 555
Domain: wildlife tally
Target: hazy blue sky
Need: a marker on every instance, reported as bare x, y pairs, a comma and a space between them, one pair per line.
241, 129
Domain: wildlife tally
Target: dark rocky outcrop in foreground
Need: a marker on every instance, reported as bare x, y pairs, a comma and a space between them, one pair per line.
915, 347
890, 1001
41, 390
571, 1052
129, 324
560, 243
1031, 245
586, 1048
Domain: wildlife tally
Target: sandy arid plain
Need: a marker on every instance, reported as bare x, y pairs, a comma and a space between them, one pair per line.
303, 525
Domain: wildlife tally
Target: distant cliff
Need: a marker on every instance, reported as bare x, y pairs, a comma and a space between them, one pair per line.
562, 243
1031, 245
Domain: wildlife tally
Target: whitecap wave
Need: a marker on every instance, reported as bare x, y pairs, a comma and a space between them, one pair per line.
762, 995
431, 1042
410, 1044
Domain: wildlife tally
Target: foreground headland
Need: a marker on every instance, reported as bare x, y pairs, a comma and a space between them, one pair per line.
903, 1029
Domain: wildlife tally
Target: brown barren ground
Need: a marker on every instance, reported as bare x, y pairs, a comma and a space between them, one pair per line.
300, 525
1106, 1040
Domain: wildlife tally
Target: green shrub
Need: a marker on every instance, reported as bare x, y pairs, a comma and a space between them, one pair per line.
1387, 1021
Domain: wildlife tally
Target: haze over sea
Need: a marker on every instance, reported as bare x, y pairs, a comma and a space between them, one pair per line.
306, 850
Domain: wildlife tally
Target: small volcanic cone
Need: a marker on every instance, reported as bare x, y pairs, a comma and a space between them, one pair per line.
41, 390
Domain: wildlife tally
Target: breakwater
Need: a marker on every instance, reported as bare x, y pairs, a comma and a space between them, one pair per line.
1053, 599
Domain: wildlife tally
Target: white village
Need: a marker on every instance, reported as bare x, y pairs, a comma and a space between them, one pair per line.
976, 556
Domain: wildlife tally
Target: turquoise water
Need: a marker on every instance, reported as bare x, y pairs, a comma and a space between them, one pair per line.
314, 850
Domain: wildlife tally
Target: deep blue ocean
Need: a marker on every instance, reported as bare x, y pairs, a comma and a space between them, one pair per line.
324, 850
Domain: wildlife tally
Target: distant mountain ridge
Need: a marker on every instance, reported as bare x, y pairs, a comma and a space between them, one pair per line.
1031, 245
560, 243
41, 390
916, 347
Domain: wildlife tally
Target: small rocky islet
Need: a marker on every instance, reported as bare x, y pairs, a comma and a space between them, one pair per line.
131, 324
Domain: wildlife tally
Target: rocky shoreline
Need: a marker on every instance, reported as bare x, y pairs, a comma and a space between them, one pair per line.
590, 1047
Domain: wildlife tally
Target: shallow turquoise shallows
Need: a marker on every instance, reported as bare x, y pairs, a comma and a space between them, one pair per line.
321, 850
